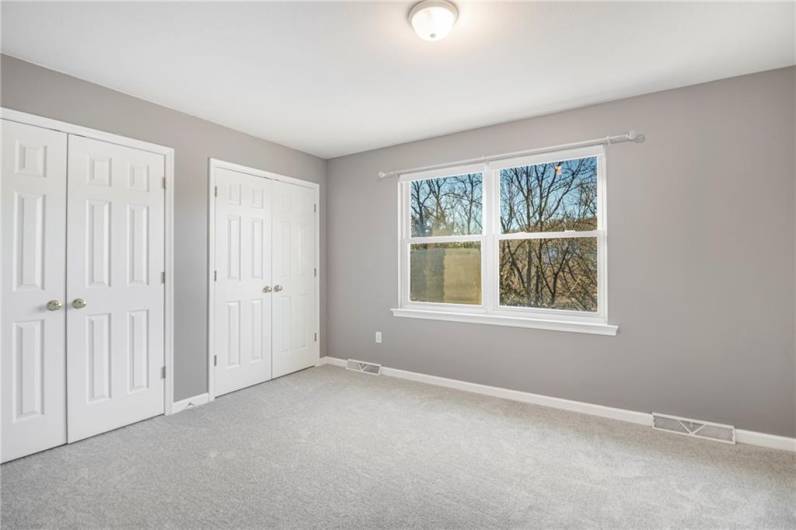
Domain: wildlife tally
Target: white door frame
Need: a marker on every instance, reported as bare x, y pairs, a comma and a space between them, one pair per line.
214, 164
168, 153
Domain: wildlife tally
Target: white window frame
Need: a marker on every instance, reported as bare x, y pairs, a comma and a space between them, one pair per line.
490, 311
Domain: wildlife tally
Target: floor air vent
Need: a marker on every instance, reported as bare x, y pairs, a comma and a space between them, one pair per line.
700, 429
362, 366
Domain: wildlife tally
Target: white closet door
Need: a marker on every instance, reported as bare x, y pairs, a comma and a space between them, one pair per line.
295, 333
115, 293
242, 285
32, 335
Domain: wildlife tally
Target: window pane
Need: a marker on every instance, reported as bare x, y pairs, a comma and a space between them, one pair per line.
446, 273
446, 206
549, 273
549, 197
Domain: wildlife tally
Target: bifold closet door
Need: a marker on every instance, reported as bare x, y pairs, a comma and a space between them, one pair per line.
115, 291
295, 331
242, 283
33, 192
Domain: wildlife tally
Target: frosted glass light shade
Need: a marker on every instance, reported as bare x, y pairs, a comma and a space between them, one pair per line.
433, 19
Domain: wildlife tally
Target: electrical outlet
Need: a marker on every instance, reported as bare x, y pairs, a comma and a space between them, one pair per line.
378, 337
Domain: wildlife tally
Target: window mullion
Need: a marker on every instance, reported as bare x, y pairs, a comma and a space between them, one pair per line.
492, 274
404, 219
486, 221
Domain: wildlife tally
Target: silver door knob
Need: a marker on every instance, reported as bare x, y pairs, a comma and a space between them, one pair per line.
79, 303
54, 305
277, 288
267, 289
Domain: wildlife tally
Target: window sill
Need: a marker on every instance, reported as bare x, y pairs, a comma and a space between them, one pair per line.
573, 326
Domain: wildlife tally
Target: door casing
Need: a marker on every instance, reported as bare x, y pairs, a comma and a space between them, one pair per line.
214, 164
168, 153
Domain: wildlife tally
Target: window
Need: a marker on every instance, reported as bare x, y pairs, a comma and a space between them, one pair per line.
446, 227
517, 242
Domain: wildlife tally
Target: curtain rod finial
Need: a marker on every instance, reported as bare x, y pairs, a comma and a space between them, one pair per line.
633, 136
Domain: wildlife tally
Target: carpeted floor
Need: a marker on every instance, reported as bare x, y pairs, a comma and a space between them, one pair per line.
329, 448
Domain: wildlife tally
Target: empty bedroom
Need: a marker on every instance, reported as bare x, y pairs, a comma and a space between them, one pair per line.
407, 264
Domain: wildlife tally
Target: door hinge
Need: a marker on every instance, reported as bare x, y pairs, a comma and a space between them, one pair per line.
215, 191
315, 208
215, 276
215, 360
164, 183
163, 277
316, 337
163, 372
315, 272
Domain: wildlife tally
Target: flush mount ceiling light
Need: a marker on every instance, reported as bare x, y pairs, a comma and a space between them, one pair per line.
433, 19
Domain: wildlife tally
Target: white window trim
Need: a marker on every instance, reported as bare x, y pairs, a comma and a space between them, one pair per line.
489, 311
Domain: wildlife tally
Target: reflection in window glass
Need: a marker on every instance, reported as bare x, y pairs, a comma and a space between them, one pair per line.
551, 197
446, 206
445, 273
549, 273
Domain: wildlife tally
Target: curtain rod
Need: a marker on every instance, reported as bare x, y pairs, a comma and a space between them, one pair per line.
630, 136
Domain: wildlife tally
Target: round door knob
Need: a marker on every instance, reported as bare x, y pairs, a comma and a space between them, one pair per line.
267, 289
54, 305
277, 288
79, 303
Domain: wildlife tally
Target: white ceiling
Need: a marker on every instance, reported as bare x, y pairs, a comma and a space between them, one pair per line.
338, 78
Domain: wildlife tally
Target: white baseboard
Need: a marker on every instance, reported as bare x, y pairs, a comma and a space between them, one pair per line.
524, 397
195, 401
761, 439
770, 441
334, 361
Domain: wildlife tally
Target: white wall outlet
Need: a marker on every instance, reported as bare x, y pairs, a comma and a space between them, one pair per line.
378, 337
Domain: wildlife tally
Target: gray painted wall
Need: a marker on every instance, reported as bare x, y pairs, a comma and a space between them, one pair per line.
701, 253
40, 91
701, 260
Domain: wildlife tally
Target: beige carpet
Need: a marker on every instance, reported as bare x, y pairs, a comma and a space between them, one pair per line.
327, 448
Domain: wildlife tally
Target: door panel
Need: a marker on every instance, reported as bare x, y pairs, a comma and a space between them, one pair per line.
295, 338
33, 204
242, 310
116, 256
